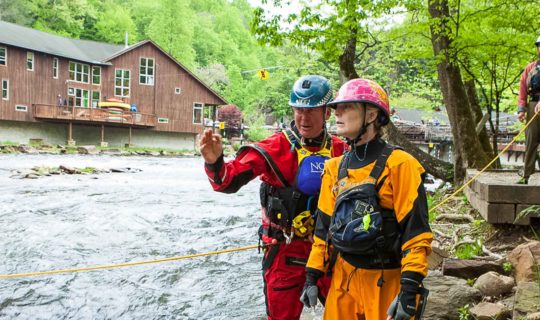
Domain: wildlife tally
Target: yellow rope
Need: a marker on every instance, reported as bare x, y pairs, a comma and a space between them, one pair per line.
487, 165
128, 264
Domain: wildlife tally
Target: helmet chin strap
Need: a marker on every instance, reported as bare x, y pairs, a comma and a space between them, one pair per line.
363, 129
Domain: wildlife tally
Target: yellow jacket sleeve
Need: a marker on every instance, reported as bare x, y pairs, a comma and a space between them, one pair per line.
410, 207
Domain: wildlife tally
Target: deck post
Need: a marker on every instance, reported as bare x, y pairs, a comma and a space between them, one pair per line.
129, 140
70, 140
103, 142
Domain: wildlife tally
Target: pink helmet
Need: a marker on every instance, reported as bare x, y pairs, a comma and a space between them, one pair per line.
364, 90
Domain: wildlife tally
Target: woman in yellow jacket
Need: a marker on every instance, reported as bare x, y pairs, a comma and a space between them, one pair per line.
372, 232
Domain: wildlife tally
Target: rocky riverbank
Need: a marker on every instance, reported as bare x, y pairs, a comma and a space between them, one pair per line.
482, 271
43, 171
93, 150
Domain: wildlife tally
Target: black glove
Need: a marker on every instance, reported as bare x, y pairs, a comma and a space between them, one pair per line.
310, 292
404, 305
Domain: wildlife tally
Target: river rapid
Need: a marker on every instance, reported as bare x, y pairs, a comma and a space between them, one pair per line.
167, 209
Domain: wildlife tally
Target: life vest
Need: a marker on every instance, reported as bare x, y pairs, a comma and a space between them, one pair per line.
533, 80
366, 235
291, 208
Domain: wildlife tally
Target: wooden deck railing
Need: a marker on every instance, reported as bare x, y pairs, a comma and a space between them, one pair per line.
89, 115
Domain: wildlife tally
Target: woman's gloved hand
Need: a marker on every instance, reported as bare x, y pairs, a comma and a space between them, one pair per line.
310, 292
404, 305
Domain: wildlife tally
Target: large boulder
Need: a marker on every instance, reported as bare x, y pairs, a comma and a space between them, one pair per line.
527, 300
27, 149
493, 284
469, 269
447, 295
524, 258
437, 256
489, 311
88, 150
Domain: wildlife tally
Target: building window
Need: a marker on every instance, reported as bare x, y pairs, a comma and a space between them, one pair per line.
121, 83
29, 61
55, 68
177, 90
5, 89
96, 96
79, 72
163, 120
96, 75
21, 108
197, 113
146, 71
78, 97
3, 56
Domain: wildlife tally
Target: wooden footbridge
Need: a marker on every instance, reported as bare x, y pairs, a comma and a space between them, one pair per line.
499, 199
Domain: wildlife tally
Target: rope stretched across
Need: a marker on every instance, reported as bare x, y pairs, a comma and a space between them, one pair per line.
128, 264
487, 165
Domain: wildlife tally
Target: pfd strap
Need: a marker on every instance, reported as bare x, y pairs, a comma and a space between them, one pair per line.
381, 161
269, 161
295, 140
378, 168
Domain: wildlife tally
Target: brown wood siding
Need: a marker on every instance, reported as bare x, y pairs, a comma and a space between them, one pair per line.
39, 87
161, 98
35, 87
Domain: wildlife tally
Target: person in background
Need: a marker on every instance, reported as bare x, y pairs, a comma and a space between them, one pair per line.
59, 100
528, 105
289, 163
372, 233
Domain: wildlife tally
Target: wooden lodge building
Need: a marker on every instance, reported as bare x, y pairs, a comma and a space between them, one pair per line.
52, 89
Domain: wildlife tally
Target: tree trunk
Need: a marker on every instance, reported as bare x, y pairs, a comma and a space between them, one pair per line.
347, 71
467, 146
438, 168
477, 112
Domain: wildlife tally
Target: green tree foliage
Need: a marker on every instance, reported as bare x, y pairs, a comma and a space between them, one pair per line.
63, 17
172, 29
17, 12
113, 22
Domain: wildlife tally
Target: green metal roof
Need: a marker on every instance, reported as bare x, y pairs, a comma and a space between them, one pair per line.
82, 50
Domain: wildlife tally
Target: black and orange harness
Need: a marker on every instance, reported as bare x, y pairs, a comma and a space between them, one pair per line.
291, 208
364, 234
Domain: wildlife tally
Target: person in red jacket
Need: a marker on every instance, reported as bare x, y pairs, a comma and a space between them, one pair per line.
290, 165
528, 105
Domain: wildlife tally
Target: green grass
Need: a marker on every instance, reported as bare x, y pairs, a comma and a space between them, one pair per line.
8, 143
463, 312
432, 201
467, 251
88, 170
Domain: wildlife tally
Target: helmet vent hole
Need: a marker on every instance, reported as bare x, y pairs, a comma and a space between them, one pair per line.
306, 84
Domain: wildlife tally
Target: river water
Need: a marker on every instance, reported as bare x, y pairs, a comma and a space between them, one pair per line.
168, 209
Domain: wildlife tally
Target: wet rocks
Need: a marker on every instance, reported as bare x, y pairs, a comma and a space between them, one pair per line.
483, 289
88, 150
38, 172
91, 150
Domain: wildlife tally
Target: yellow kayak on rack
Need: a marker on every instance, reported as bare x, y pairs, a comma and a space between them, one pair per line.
106, 104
